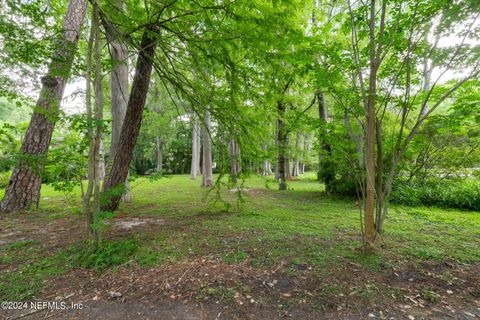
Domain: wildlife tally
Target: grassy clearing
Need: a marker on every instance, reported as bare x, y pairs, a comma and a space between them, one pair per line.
300, 228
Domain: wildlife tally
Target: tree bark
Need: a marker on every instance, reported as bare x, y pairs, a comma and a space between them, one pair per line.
371, 238
277, 173
296, 161
102, 167
427, 76
379, 179
207, 154
196, 148
288, 171
325, 147
24, 186
131, 124
305, 150
281, 146
267, 169
94, 130
119, 96
159, 144
98, 114
87, 207
234, 159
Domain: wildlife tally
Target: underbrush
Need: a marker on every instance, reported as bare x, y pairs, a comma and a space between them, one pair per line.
445, 193
108, 254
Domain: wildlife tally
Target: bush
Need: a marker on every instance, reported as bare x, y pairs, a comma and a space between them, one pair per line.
447, 193
343, 187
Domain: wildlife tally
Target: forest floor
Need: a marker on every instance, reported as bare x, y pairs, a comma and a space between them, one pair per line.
174, 254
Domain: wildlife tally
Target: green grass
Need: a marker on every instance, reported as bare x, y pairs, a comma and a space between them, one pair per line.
299, 228
28, 279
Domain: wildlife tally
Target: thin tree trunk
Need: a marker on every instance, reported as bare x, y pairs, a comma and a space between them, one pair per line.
306, 148
131, 124
288, 171
267, 169
102, 169
371, 238
87, 208
360, 148
98, 114
199, 147
277, 172
23, 189
296, 161
266, 166
94, 130
207, 154
119, 97
324, 146
379, 178
196, 148
322, 115
282, 147
234, 159
427, 76
159, 144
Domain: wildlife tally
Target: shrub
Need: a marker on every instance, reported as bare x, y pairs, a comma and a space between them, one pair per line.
456, 193
343, 187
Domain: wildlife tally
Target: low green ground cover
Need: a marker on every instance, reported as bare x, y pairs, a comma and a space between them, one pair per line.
264, 227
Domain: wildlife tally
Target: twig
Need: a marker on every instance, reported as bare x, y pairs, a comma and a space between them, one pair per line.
180, 279
281, 265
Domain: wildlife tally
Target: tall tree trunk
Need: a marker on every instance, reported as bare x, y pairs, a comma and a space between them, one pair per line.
196, 148
102, 168
296, 161
94, 130
87, 196
371, 237
427, 76
306, 148
234, 159
322, 115
360, 147
266, 166
23, 189
325, 147
379, 179
288, 171
131, 124
282, 143
119, 97
159, 144
98, 114
207, 154
199, 147
267, 169
277, 172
